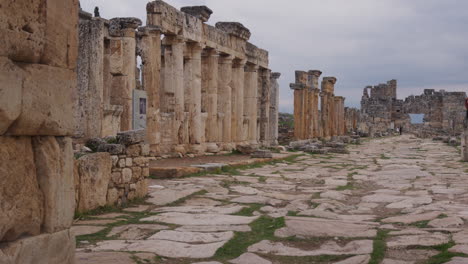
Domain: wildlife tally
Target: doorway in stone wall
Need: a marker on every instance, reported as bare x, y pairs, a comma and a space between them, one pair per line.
139, 98
417, 119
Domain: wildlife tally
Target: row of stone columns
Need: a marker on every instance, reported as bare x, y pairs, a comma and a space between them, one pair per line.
210, 97
308, 121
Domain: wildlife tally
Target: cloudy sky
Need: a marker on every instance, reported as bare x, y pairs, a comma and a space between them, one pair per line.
421, 43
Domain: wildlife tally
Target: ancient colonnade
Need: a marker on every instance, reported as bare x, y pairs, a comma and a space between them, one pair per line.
309, 121
206, 88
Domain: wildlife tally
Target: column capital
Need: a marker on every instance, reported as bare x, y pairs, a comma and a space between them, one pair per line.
239, 63
297, 86
251, 67
225, 59
330, 79
315, 73
275, 75
149, 30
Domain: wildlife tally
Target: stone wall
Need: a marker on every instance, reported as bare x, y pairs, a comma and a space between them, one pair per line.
443, 111
115, 174
465, 144
309, 122
38, 52
207, 88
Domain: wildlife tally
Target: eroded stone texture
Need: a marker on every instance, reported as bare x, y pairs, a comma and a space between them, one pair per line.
20, 197
54, 167
94, 173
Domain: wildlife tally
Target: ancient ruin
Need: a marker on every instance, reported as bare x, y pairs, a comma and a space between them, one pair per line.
381, 111
309, 121
38, 52
199, 88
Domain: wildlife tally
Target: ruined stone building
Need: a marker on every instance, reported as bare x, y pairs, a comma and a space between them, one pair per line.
38, 51
309, 121
199, 88
381, 111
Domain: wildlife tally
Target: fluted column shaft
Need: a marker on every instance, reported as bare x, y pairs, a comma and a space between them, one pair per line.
193, 91
224, 98
210, 87
237, 100
250, 102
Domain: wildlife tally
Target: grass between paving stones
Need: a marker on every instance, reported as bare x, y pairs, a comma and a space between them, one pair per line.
249, 210
420, 224
350, 184
262, 229
444, 255
307, 260
382, 156
188, 197
379, 247
131, 218
109, 209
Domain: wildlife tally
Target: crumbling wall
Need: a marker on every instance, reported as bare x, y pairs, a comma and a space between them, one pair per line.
443, 111
114, 173
38, 52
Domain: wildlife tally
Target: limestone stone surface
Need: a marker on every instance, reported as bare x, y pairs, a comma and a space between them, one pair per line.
46, 105
363, 259
103, 257
421, 240
21, 200
248, 258
315, 227
328, 248
408, 219
94, 172
54, 168
192, 237
86, 230
42, 249
10, 93
163, 197
201, 219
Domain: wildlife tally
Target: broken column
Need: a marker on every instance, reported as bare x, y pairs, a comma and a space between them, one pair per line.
264, 103
237, 100
274, 109
327, 106
300, 104
313, 113
250, 102
210, 91
224, 99
38, 52
151, 58
123, 65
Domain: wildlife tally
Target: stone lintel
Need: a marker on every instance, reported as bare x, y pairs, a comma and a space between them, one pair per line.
297, 86
235, 29
85, 15
239, 63
330, 79
275, 75
145, 30
201, 12
315, 73
119, 24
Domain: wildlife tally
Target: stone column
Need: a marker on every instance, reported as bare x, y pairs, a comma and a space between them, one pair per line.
326, 95
264, 99
274, 108
123, 65
300, 105
312, 103
250, 102
210, 90
224, 98
193, 93
237, 100
151, 58
174, 85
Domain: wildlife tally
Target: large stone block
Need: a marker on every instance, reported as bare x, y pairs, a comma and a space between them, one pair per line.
54, 163
22, 27
94, 175
61, 34
56, 248
11, 91
21, 201
47, 102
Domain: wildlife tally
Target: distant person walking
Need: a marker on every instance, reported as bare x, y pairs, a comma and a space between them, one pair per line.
401, 130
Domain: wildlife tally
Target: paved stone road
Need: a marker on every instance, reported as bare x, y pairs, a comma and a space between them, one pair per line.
392, 200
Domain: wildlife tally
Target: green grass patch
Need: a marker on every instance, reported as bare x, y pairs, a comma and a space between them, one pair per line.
229, 183
380, 246
262, 179
308, 260
248, 211
420, 224
292, 213
349, 186
262, 229
382, 156
444, 255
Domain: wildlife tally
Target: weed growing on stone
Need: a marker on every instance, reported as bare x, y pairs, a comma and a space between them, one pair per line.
262, 229
380, 246
444, 255
248, 211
